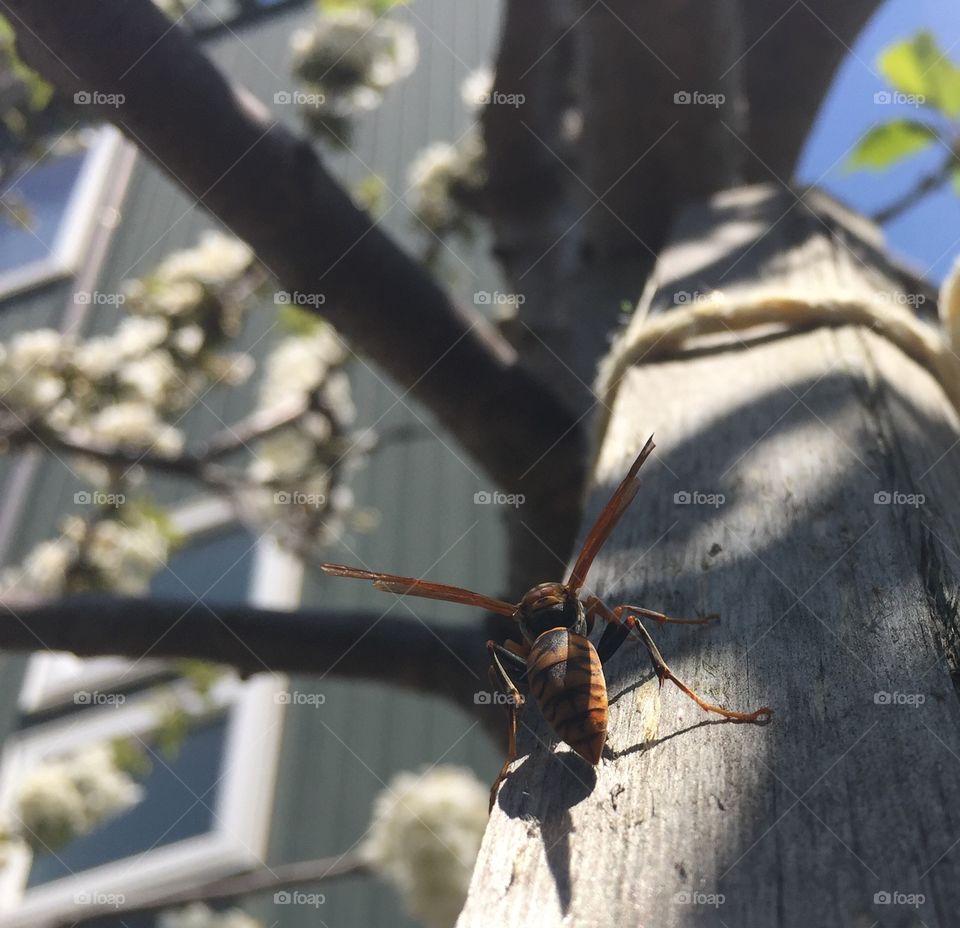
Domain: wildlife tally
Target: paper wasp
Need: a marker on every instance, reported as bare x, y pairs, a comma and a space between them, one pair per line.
563, 670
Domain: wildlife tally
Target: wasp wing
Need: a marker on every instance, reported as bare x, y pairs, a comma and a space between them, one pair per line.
410, 586
607, 520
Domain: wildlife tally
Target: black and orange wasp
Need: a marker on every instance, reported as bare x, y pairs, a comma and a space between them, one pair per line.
561, 666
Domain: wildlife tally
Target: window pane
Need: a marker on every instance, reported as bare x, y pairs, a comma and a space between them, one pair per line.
44, 192
179, 796
216, 569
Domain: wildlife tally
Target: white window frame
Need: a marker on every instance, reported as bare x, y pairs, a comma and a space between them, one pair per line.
79, 218
239, 838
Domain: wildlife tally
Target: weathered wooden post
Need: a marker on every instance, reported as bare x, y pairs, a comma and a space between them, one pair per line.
806, 486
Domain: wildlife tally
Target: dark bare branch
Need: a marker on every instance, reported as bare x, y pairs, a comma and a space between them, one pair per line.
426, 655
268, 185
791, 54
261, 880
928, 183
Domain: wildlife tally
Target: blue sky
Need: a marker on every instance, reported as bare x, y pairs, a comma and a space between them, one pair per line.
928, 236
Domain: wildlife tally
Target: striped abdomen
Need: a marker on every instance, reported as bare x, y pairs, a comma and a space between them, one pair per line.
566, 679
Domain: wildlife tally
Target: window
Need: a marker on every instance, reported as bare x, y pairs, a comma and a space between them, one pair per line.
207, 17
61, 196
206, 810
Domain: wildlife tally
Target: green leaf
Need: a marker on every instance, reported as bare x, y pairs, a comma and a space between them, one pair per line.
891, 142
298, 321
375, 6
131, 757
172, 729
956, 181
202, 675
920, 67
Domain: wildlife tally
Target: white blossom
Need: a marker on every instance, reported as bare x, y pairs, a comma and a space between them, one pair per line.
353, 56
38, 348
127, 554
425, 836
66, 797
136, 335
50, 809
435, 173
298, 365
29, 369
476, 87
199, 915
45, 567
106, 790
97, 357
135, 424
216, 260
177, 297
283, 456
188, 340
152, 377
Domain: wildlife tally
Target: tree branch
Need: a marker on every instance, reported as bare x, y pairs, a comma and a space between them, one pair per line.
440, 658
649, 142
268, 185
261, 880
926, 184
791, 54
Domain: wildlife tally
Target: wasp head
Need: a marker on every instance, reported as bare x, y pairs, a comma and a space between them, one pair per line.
550, 605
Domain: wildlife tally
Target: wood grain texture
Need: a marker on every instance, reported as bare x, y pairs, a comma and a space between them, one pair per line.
838, 610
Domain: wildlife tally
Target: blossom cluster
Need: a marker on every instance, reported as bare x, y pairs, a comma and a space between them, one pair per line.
123, 389
120, 552
346, 60
425, 836
66, 797
442, 179
300, 468
445, 180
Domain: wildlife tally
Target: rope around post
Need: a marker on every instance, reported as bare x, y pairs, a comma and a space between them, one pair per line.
648, 339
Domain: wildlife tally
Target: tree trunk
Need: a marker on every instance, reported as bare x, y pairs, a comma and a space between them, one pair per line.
838, 610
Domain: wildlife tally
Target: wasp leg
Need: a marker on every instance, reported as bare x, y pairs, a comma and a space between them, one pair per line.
664, 619
615, 634
620, 628
504, 682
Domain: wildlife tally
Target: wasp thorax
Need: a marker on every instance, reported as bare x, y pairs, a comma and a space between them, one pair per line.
550, 605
